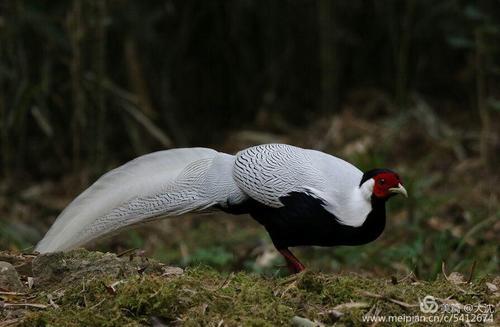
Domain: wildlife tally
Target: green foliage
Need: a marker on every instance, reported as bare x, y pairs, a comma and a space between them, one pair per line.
213, 256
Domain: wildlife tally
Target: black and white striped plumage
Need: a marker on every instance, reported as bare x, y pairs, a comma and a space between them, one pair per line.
302, 197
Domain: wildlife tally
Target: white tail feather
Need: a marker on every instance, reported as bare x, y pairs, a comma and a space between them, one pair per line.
164, 183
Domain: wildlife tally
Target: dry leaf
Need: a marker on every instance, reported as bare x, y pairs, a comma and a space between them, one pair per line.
31, 281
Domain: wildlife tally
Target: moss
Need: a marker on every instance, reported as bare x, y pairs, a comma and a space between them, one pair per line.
199, 296
62, 269
203, 296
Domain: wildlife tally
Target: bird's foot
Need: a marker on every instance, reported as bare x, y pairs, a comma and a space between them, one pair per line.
293, 264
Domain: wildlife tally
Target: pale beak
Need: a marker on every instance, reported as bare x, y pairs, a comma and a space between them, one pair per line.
399, 190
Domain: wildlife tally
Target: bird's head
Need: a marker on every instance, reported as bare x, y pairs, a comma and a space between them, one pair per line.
386, 183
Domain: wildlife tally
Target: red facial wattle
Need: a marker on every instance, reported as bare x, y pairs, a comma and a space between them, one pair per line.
387, 184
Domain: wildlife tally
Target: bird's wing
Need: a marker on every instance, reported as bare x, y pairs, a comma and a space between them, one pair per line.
272, 171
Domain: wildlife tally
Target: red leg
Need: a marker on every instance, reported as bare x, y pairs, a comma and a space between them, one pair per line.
294, 265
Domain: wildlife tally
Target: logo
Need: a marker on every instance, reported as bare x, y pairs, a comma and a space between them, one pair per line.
428, 304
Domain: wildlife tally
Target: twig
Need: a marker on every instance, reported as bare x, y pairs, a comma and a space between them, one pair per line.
112, 288
351, 305
121, 254
51, 301
97, 304
443, 270
12, 293
304, 322
226, 281
289, 287
411, 276
9, 322
383, 297
84, 291
471, 273
31, 305
290, 279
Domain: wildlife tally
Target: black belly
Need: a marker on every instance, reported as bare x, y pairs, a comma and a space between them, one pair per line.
304, 221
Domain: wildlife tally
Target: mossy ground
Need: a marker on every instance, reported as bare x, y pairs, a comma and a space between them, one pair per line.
203, 296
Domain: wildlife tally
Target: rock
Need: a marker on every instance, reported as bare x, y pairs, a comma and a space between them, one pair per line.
9, 278
456, 278
492, 287
64, 268
172, 271
22, 262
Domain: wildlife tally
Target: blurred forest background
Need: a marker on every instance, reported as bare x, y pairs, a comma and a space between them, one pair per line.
412, 85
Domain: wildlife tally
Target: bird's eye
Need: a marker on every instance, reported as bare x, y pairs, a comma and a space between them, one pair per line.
381, 181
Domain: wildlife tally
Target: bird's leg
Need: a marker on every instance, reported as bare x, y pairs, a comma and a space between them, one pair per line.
294, 265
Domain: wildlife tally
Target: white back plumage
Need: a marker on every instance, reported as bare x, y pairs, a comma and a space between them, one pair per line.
268, 172
164, 183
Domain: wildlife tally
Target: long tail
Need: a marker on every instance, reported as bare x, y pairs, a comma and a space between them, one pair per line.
160, 184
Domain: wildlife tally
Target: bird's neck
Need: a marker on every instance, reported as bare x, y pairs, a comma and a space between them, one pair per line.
371, 228
374, 224
352, 208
